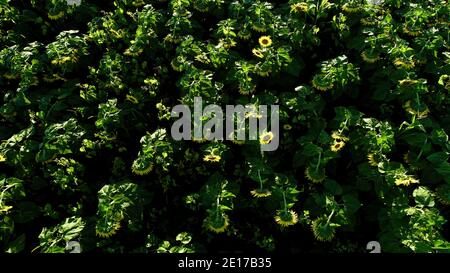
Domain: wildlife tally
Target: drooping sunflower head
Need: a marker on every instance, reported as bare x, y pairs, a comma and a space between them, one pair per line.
266, 138
265, 41
55, 15
315, 175
407, 82
373, 159
244, 34
261, 193
322, 83
370, 56
421, 110
258, 53
286, 218
322, 230
142, 165
404, 63
217, 223
411, 31
259, 27
106, 229
350, 7
211, 158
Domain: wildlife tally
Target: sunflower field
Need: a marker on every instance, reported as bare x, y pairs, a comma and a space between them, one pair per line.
87, 156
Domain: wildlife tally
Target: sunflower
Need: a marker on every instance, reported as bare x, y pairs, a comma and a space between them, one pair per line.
141, 166
407, 30
443, 194
322, 83
175, 65
244, 34
337, 145
350, 8
402, 63
287, 127
233, 137
132, 99
56, 16
211, 158
261, 193
407, 82
286, 218
107, 229
201, 6
406, 180
218, 224
421, 110
373, 159
258, 27
315, 176
367, 22
338, 136
265, 41
370, 56
299, 7
266, 138
246, 89
322, 230
198, 140
258, 53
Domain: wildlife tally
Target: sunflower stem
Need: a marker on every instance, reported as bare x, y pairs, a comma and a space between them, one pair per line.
318, 161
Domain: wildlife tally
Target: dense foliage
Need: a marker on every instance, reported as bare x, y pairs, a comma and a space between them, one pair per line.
86, 153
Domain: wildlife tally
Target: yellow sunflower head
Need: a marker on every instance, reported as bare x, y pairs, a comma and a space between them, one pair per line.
261, 193
265, 41
337, 145
286, 218
211, 158
258, 53
266, 138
